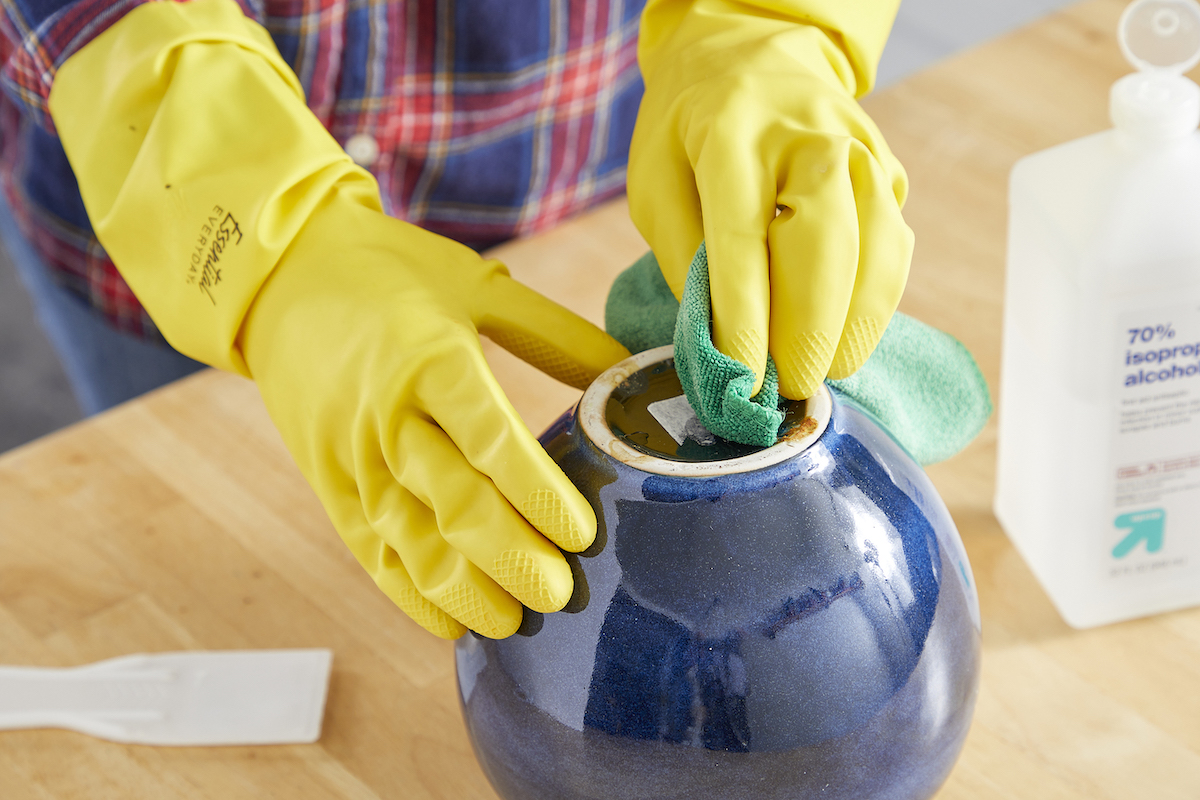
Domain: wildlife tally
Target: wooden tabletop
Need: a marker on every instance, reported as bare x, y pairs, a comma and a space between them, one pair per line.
179, 521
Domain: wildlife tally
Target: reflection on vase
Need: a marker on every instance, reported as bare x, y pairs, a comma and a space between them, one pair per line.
804, 629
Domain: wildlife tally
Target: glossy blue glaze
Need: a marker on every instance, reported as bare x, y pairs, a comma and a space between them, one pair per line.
805, 630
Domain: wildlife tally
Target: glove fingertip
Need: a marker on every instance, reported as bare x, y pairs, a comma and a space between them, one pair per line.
748, 346
547, 335
542, 585
426, 614
433, 619
859, 339
393, 580
570, 526
803, 361
491, 613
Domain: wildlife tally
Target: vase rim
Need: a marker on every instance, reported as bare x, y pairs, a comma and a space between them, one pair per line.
593, 418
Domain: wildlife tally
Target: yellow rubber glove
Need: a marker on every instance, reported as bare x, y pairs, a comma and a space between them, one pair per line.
258, 246
750, 110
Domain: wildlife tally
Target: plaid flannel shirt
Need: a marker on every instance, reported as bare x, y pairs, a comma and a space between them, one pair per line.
493, 118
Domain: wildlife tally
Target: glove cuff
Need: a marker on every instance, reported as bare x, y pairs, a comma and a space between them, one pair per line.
853, 34
198, 163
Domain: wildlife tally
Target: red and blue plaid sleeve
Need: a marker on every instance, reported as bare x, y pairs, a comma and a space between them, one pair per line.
490, 118
42, 34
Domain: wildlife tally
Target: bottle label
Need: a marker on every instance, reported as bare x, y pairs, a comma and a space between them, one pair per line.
1154, 524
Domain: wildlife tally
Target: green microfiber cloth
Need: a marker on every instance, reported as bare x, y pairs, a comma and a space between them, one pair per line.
717, 386
922, 384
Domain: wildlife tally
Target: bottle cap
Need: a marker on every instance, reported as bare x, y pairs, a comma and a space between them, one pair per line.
1162, 39
1161, 35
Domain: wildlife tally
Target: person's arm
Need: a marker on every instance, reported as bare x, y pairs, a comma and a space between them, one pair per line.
258, 246
45, 35
750, 139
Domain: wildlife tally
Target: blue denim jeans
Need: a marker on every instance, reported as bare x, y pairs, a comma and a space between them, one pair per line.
105, 366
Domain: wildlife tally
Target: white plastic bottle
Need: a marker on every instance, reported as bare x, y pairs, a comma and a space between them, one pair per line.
1098, 475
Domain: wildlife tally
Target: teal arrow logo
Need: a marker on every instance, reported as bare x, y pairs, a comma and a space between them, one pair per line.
1146, 525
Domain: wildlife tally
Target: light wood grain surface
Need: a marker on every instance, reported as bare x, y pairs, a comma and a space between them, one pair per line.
179, 521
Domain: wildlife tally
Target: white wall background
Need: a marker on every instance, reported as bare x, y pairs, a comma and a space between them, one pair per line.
927, 31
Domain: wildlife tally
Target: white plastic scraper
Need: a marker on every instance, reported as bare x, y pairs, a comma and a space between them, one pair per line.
234, 697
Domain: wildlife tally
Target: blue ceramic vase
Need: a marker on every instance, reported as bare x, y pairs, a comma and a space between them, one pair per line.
792, 622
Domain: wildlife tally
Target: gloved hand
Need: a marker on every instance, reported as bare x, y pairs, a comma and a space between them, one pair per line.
750, 108
256, 245
376, 380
